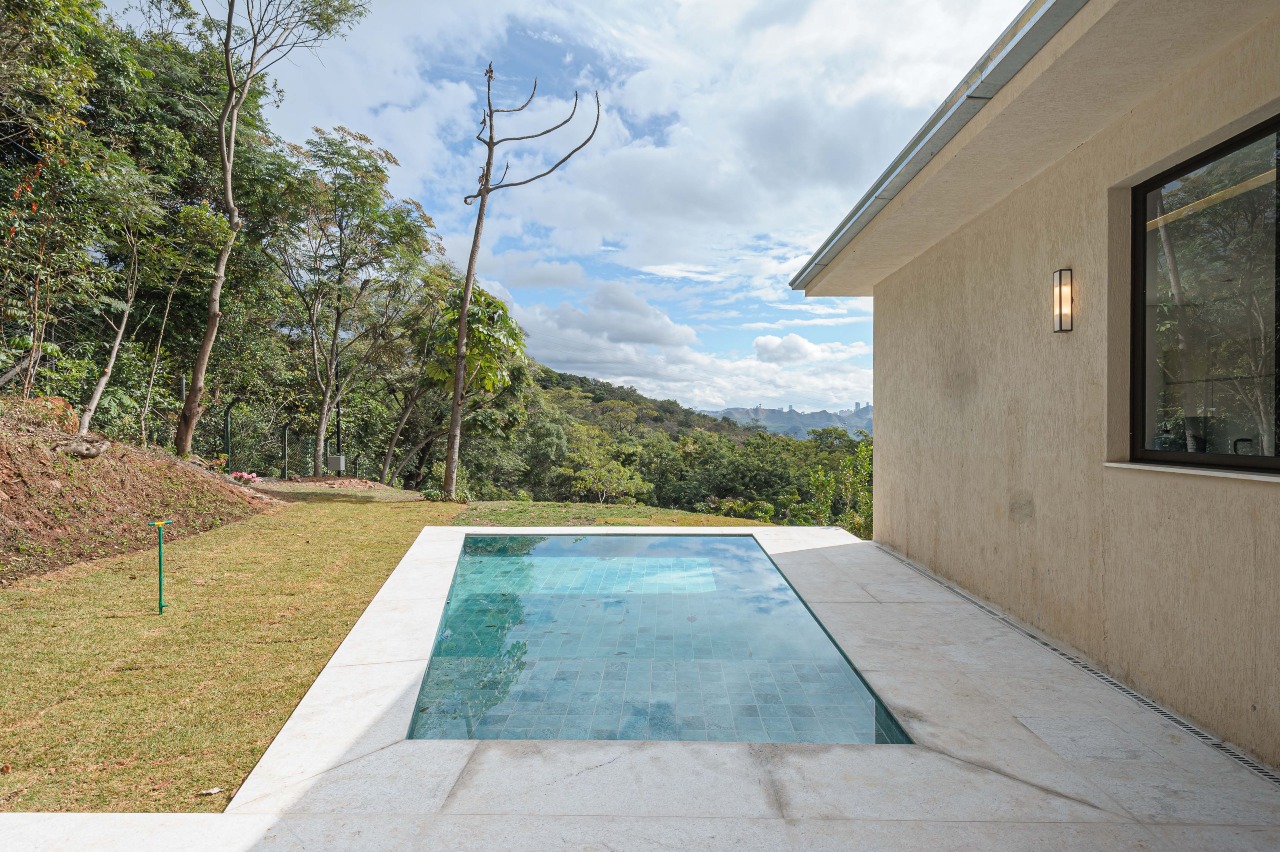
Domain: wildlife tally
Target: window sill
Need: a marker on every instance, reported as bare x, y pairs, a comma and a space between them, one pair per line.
1255, 476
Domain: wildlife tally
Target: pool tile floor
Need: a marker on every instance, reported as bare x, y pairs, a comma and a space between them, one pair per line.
1013, 748
630, 637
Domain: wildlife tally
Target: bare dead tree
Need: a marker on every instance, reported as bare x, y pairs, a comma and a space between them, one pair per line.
491, 141
252, 40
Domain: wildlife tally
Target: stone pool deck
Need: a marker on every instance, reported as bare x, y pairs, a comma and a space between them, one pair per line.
1015, 747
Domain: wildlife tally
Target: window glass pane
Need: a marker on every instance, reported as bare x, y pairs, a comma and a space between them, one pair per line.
1211, 307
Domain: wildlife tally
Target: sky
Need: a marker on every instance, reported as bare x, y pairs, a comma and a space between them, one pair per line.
734, 137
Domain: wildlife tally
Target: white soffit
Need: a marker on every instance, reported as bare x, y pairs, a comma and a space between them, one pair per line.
1093, 62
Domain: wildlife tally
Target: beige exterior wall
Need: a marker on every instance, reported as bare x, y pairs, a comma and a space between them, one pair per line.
992, 434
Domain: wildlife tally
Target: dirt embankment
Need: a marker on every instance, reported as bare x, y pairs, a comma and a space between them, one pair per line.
56, 509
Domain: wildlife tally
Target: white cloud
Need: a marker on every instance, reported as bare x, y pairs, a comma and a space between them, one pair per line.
794, 349
791, 323
707, 381
768, 120
735, 135
517, 269
625, 340
691, 273
612, 313
839, 307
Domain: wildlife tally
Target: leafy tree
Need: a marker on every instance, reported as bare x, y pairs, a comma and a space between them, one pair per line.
45, 70
410, 366
617, 417
191, 237
355, 260
832, 439
56, 175
495, 379
48, 268
253, 38
590, 472
136, 209
856, 483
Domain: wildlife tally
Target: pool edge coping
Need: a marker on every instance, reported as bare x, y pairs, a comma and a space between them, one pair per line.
374, 675
703, 532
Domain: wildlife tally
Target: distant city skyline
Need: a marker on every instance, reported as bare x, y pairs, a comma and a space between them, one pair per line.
791, 421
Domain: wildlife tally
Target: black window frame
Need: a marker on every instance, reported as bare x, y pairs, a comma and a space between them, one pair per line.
1137, 333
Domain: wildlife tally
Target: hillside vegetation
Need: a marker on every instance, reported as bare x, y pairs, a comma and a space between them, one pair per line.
587, 440
56, 509
335, 331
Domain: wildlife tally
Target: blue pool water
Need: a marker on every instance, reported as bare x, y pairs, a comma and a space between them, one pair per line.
637, 637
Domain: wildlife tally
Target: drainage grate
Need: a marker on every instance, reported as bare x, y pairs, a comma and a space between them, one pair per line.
1183, 724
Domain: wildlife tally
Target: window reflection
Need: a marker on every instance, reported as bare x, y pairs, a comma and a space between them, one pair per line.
1211, 307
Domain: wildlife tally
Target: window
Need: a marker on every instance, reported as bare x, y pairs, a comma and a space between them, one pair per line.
1206, 309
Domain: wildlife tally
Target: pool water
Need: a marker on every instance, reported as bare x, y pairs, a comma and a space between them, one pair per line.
637, 637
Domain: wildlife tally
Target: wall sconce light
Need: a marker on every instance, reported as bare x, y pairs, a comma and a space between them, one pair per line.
1063, 296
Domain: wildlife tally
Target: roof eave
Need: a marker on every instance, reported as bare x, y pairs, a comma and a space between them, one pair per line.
1038, 22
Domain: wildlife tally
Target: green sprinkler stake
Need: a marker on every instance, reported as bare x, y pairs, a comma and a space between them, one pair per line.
160, 525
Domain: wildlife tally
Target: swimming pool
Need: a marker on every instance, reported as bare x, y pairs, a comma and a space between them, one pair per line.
637, 637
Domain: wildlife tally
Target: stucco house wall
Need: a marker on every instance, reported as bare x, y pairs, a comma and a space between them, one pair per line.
993, 435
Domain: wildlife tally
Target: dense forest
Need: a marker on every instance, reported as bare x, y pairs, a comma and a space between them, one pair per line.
184, 277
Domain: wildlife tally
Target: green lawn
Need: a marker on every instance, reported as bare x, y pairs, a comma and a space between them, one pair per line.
585, 514
106, 706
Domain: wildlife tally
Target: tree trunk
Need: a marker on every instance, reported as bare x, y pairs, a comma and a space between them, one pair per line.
414, 481
192, 410
486, 187
427, 443
228, 121
37, 326
14, 371
395, 438
87, 416
155, 367
322, 433
460, 363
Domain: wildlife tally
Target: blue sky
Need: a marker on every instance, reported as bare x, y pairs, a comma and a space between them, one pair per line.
735, 136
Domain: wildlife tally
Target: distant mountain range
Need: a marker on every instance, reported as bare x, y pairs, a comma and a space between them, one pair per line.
798, 423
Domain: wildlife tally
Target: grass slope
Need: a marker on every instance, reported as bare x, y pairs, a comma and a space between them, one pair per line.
57, 509
105, 706
515, 514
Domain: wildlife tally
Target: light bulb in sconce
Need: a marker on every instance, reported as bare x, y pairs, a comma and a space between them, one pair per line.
1063, 300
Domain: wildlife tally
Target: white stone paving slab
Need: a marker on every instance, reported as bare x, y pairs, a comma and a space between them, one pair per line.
876, 783
134, 832
487, 832
613, 778
407, 777
1015, 748
350, 711
398, 631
